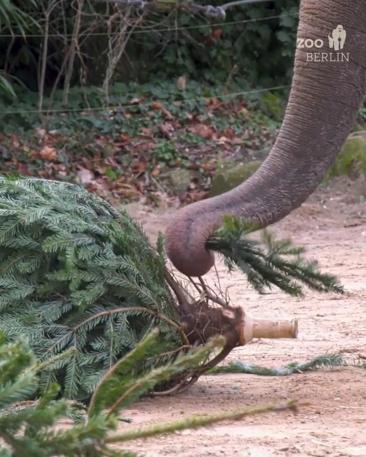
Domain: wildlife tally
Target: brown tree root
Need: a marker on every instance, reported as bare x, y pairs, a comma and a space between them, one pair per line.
210, 315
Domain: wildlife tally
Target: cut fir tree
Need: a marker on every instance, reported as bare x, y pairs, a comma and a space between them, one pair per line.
34, 428
80, 281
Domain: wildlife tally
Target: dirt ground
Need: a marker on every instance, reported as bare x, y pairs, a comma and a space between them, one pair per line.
332, 225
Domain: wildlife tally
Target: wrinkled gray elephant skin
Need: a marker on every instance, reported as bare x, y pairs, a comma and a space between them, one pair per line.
324, 99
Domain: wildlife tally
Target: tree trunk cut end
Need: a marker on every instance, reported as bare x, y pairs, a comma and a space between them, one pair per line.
261, 328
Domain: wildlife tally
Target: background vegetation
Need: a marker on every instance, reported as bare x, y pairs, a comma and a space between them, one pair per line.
52, 44
143, 103
116, 98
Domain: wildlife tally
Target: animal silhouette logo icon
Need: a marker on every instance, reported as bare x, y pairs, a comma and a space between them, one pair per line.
337, 38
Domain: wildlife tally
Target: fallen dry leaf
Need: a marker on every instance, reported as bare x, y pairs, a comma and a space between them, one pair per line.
112, 162
125, 189
144, 146
48, 153
158, 106
166, 128
124, 138
41, 133
156, 171
85, 176
139, 166
145, 131
222, 140
203, 130
214, 103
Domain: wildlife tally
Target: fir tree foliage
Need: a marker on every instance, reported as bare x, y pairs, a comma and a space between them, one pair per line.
53, 427
123, 383
28, 429
322, 361
77, 274
39, 429
269, 262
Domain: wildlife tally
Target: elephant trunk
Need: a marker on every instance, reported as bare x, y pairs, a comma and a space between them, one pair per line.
326, 92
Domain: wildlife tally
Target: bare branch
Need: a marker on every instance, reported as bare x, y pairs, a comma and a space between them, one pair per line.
210, 11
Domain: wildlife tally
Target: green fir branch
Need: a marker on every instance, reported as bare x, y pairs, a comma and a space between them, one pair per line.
269, 262
70, 267
32, 428
200, 421
323, 361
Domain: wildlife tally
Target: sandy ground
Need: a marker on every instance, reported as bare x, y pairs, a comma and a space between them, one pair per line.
332, 225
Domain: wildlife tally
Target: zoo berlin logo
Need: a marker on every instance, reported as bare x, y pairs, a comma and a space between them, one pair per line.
316, 51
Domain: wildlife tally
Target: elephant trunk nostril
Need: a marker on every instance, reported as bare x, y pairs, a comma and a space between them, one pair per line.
185, 246
197, 265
